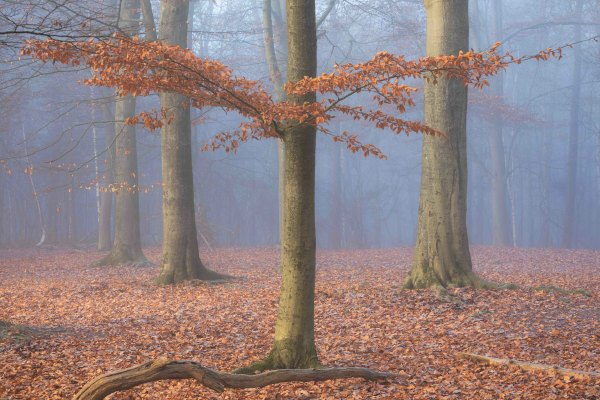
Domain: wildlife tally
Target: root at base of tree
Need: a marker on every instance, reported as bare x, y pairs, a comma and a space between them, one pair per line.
162, 369
527, 366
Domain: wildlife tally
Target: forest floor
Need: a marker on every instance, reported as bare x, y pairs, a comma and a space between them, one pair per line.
71, 322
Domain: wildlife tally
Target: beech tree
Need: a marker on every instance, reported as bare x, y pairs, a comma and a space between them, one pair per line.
137, 67
127, 244
294, 344
181, 257
442, 256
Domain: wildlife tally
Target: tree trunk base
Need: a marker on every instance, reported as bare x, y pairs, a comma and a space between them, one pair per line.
282, 358
173, 277
162, 369
419, 279
123, 256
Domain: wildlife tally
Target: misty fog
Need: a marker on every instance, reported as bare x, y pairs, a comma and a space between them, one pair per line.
537, 186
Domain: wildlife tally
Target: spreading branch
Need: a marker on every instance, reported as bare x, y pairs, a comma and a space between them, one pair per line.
163, 369
136, 67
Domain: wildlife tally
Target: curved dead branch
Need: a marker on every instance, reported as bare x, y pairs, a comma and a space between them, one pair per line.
163, 369
528, 366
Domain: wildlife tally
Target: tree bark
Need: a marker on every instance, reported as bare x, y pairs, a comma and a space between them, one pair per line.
72, 214
336, 216
442, 257
116, 381
294, 342
127, 245
280, 95
501, 233
180, 258
569, 221
106, 196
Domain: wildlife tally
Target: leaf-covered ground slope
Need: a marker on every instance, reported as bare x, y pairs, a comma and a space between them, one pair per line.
70, 322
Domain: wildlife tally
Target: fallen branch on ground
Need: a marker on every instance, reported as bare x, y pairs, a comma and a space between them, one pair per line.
163, 369
527, 366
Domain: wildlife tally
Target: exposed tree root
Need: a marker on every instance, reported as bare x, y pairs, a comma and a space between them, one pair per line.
274, 362
162, 369
440, 288
428, 279
527, 366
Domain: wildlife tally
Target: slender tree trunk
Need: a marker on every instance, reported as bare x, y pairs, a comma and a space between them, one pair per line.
501, 235
106, 195
95, 147
294, 343
34, 191
569, 221
72, 214
336, 226
442, 257
280, 95
180, 259
53, 209
127, 246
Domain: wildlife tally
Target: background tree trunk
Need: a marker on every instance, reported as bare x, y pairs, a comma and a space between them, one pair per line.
442, 257
180, 259
127, 246
501, 233
280, 95
569, 221
106, 196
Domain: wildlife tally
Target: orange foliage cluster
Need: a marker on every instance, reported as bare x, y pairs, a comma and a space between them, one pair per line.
73, 322
137, 67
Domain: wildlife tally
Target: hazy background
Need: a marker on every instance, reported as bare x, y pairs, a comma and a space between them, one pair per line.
360, 202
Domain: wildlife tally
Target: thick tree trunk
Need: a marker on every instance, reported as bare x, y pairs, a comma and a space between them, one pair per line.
442, 257
294, 343
569, 221
127, 246
181, 259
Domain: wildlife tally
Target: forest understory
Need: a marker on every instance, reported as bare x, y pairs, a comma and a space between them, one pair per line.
65, 322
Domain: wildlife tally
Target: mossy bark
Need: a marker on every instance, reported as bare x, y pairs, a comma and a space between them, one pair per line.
181, 258
442, 257
127, 246
294, 342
